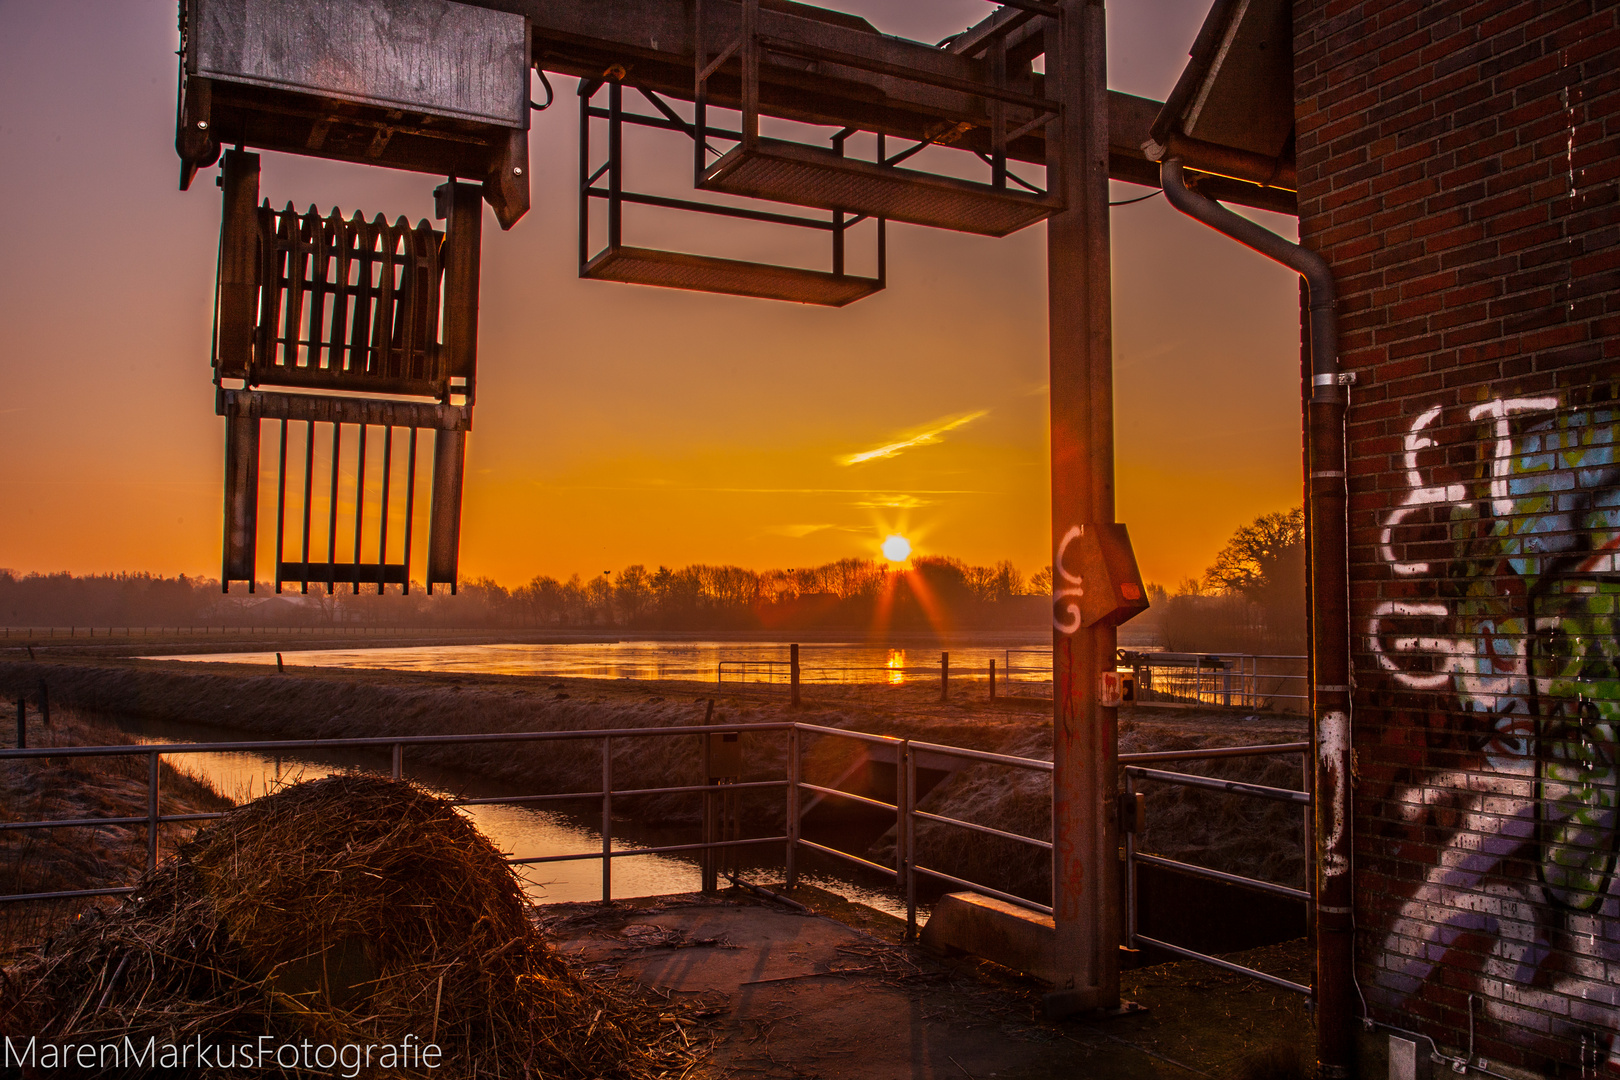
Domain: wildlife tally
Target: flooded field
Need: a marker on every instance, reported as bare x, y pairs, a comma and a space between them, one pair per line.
686, 661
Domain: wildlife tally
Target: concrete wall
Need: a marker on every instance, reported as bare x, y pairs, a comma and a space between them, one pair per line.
1458, 166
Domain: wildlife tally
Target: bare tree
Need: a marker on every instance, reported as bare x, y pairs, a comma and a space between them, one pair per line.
1258, 553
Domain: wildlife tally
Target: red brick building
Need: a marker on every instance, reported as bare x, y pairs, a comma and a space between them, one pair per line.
1459, 168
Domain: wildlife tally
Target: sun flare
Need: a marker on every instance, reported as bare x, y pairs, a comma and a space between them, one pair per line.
896, 548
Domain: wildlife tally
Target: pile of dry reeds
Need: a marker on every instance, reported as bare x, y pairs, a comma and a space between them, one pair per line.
348, 910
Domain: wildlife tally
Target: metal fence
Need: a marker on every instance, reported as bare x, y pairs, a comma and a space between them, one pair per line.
1223, 680
904, 873
1137, 769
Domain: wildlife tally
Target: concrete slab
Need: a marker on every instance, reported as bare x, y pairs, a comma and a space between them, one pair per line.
992, 929
835, 995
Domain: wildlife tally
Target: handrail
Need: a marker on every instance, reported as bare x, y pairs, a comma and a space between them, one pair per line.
904, 873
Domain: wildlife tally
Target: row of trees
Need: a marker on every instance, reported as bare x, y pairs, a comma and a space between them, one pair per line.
849, 592
1252, 599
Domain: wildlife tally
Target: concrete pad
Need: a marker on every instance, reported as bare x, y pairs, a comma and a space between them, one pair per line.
813, 997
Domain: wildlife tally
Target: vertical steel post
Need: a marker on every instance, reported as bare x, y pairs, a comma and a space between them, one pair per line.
992, 680
793, 674
749, 55
902, 754
332, 509
793, 806
1085, 881
382, 524
399, 756
1130, 864
22, 722
909, 838
711, 881
607, 819
152, 811
944, 675
359, 504
44, 703
615, 218
410, 510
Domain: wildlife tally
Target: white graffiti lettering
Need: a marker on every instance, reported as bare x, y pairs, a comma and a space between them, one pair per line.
1071, 589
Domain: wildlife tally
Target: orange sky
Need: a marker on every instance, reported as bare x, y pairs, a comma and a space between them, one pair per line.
615, 423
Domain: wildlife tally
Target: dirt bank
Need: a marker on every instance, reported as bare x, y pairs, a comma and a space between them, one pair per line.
51, 860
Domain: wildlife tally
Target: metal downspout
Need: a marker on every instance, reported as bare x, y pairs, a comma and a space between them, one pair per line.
1329, 617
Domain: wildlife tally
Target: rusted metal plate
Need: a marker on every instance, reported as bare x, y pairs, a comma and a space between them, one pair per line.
319, 408
428, 57
810, 176
703, 273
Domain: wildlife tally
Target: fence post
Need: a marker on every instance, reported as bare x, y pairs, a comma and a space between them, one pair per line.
793, 673
992, 680
793, 806
711, 877
22, 722
908, 837
607, 819
152, 811
44, 703
399, 757
944, 675
1130, 863
901, 810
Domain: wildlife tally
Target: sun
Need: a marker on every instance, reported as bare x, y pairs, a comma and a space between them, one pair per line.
896, 548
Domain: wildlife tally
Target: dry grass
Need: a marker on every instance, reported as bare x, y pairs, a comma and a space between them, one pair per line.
346, 910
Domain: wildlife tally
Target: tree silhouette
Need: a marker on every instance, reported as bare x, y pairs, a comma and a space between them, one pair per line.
1260, 555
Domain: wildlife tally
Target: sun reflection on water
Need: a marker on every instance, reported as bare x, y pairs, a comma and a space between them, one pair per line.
897, 666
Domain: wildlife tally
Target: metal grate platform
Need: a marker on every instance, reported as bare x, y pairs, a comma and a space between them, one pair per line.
704, 273
809, 176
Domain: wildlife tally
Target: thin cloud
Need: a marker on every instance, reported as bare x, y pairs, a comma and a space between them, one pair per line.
797, 532
931, 434
893, 502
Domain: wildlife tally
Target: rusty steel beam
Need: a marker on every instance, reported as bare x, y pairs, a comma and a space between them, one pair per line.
1085, 879
652, 40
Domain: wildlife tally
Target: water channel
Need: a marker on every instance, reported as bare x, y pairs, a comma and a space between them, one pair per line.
520, 831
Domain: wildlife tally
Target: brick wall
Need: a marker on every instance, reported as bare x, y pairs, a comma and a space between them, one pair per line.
1459, 167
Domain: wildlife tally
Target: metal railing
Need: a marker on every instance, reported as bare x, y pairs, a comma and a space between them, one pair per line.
1137, 768
906, 752
774, 671
1225, 680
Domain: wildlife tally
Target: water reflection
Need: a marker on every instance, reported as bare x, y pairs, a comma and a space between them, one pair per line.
687, 661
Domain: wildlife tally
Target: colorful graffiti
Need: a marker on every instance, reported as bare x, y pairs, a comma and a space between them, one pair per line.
1509, 532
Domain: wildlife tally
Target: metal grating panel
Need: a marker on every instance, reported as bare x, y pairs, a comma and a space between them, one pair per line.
809, 176
429, 57
703, 273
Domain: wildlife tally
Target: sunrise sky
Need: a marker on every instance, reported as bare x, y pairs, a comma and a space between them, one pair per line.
619, 424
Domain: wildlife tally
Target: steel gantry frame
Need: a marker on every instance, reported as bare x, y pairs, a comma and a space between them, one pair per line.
979, 92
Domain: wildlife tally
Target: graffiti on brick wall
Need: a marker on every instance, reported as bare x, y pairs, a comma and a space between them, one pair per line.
1508, 532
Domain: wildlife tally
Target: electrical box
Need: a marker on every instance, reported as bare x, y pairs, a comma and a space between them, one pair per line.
430, 86
1118, 688
1111, 585
725, 755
